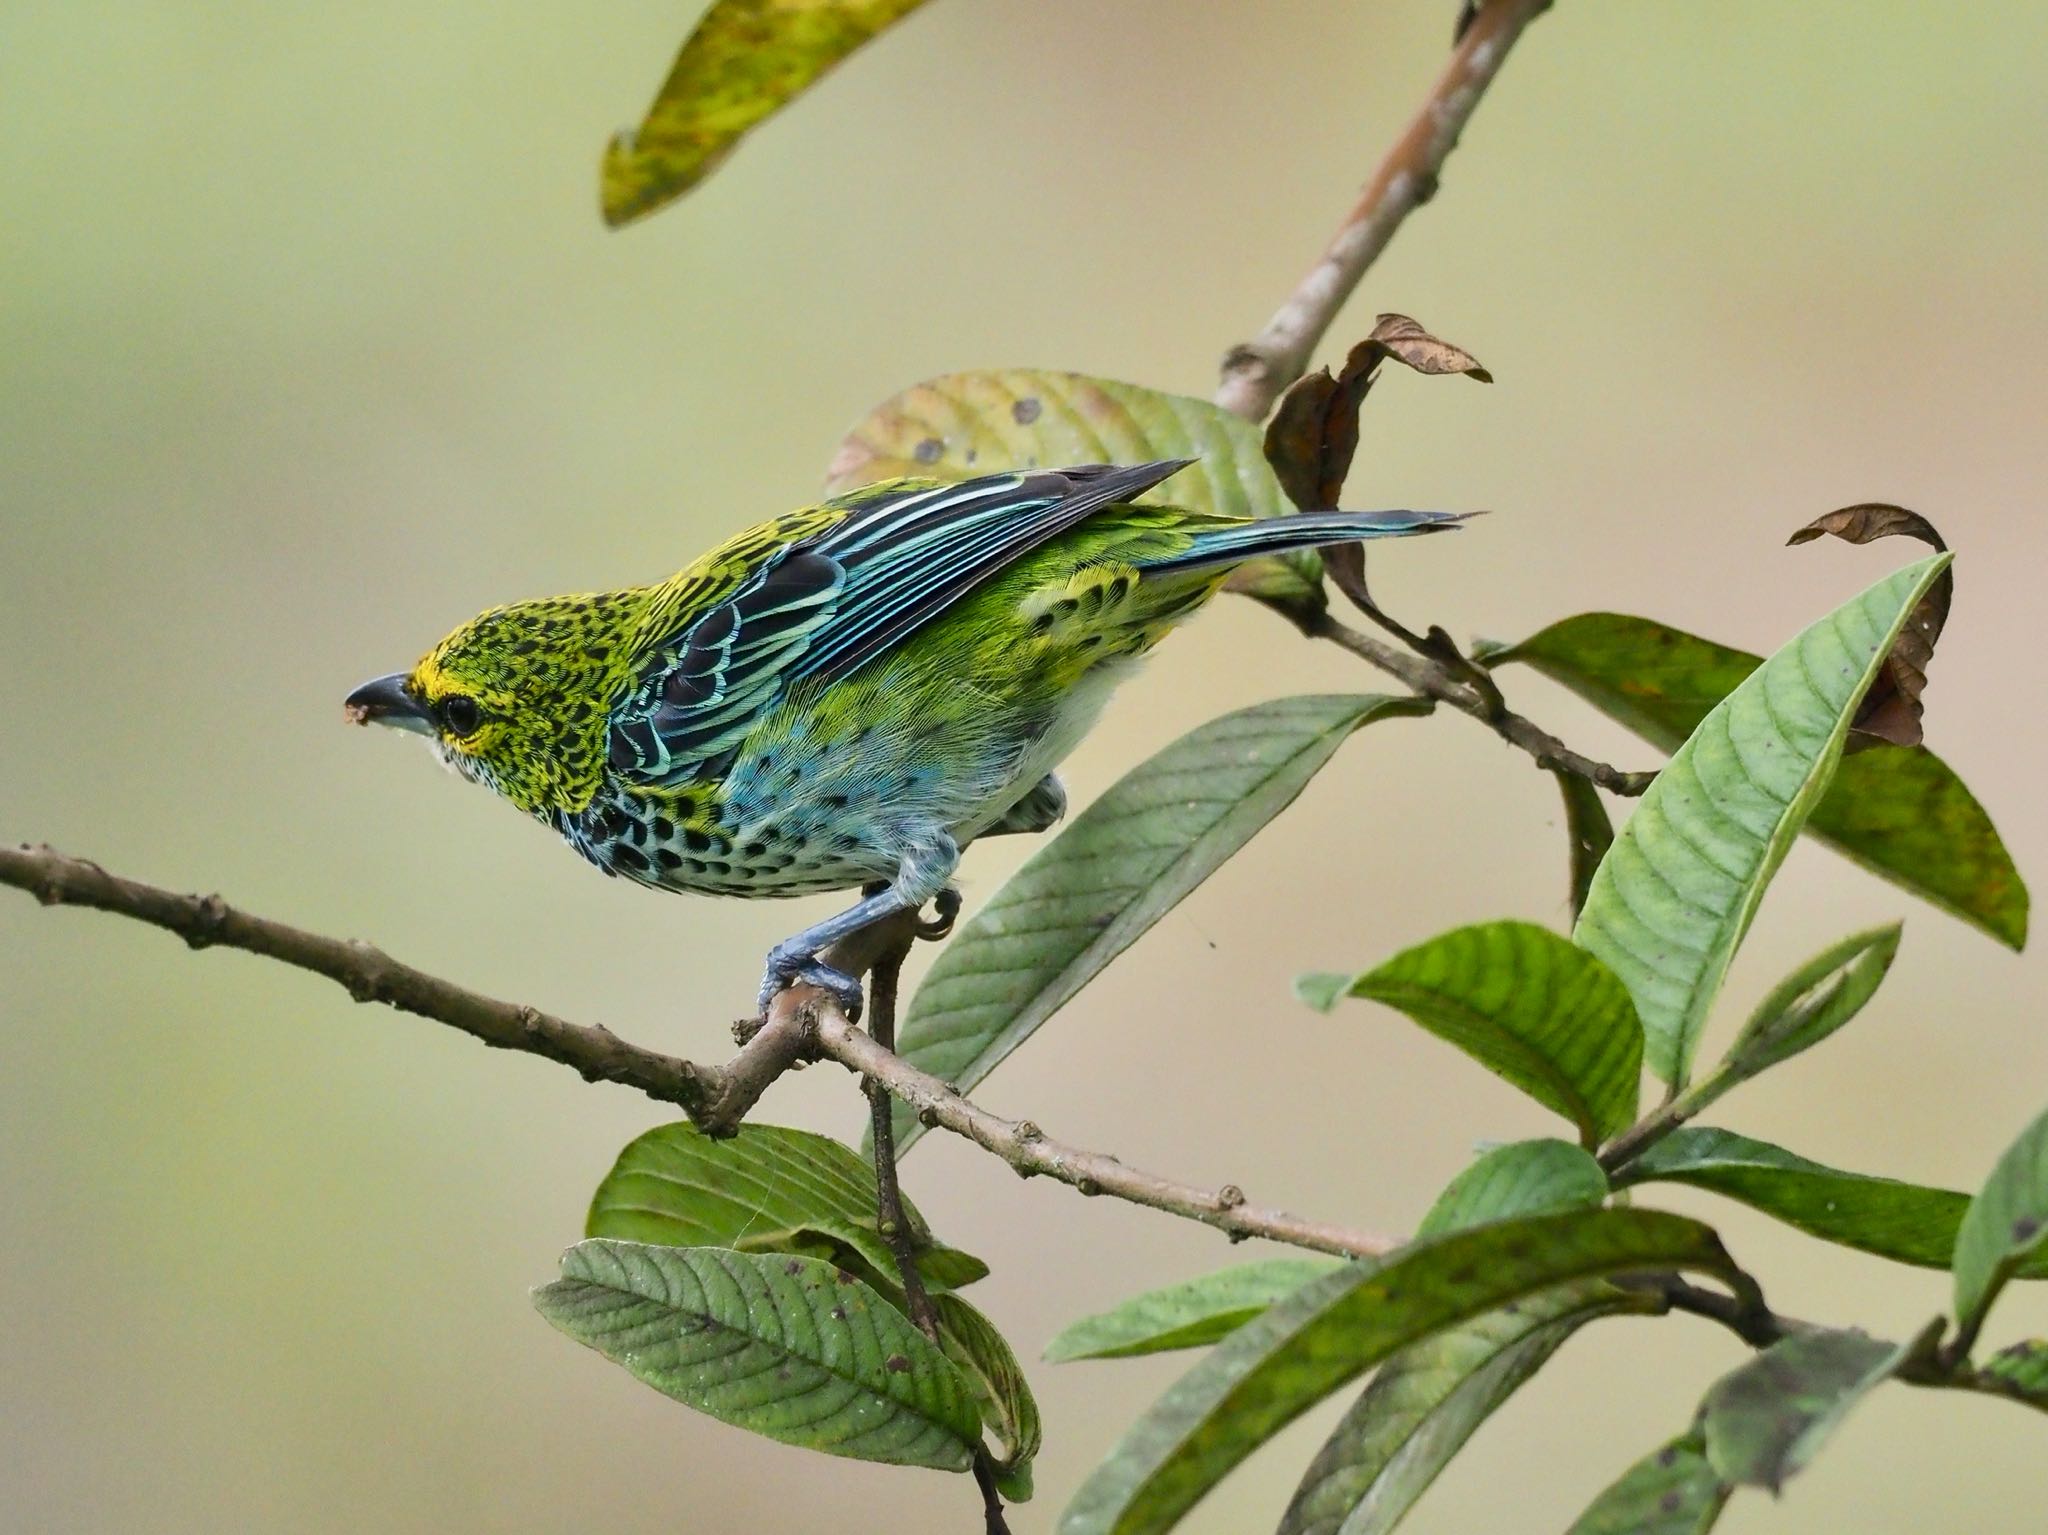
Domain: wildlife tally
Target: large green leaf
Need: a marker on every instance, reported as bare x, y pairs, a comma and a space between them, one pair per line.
1122, 864
2005, 1226
1425, 1401
1269, 1371
1811, 1003
745, 60
784, 1346
1765, 1420
1905, 1222
992, 419
1676, 892
1186, 1315
989, 1365
1524, 1003
766, 1189
1901, 813
1670, 1491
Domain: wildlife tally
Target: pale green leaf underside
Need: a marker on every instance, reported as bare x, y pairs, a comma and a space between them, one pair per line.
992, 419
787, 1347
1185, 1315
1812, 1002
1676, 892
1529, 1006
989, 1365
745, 60
1271, 1370
1121, 865
1670, 1491
2006, 1224
766, 1189
1900, 812
1765, 1420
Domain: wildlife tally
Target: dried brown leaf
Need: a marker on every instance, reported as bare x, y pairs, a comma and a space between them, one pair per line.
1313, 435
1891, 709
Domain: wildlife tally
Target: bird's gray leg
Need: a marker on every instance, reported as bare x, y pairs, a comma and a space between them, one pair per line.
1038, 810
921, 876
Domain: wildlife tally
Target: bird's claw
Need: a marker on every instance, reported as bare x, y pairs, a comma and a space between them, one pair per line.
945, 909
789, 970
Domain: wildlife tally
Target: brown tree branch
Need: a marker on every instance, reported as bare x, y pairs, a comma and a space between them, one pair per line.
1031, 1152
803, 1025
1256, 371
1435, 679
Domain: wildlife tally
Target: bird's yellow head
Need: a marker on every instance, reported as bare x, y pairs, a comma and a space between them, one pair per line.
518, 697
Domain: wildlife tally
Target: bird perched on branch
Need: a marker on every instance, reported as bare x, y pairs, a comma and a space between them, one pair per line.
841, 697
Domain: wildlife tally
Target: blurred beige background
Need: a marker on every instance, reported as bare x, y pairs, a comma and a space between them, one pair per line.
311, 344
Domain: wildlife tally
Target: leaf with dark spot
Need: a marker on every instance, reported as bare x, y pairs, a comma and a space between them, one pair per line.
1671, 1491
1891, 709
2004, 1226
1765, 1420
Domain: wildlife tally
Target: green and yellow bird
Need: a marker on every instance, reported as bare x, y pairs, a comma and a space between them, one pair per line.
841, 697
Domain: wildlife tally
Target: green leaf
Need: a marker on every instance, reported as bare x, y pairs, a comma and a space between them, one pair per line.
1186, 1315
1424, 1402
1272, 1369
1587, 828
1122, 864
989, 1365
1521, 1178
1674, 896
1765, 1420
787, 1347
1812, 1002
745, 60
2005, 1226
1672, 1491
1527, 1005
766, 1189
1901, 813
964, 424
1905, 1222
2020, 1371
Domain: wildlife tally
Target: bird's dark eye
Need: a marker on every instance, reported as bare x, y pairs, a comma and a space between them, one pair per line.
460, 715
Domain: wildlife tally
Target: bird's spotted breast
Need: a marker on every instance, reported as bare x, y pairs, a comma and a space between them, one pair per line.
697, 843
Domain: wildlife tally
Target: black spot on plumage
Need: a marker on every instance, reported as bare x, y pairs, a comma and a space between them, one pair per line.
631, 858
668, 858
695, 840
664, 829
754, 849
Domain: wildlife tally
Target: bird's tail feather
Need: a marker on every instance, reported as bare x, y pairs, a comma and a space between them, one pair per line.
1309, 530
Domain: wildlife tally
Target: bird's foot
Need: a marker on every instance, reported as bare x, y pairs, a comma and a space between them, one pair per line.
945, 909
792, 967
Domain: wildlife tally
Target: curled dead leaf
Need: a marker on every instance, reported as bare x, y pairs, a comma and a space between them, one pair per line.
1313, 435
1891, 710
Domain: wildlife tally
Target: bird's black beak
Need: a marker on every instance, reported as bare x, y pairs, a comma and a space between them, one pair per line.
386, 701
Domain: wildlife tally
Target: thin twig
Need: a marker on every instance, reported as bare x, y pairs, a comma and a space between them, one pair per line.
1255, 372
803, 1024
1030, 1151
1434, 679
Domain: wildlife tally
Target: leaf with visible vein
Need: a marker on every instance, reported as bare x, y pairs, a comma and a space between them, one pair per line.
1765, 1420
1671, 1491
786, 1347
963, 424
2005, 1226
1424, 1402
1526, 1004
989, 1365
1905, 1222
1190, 1314
1675, 894
1811, 1003
745, 60
1269, 1371
1901, 813
1121, 865
765, 1189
